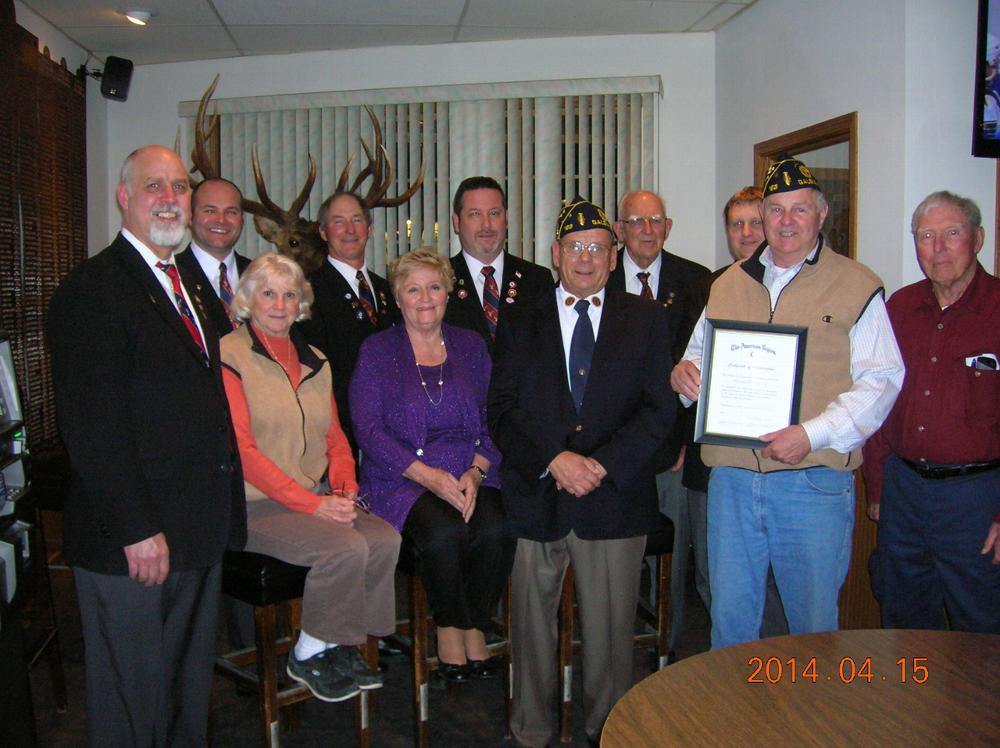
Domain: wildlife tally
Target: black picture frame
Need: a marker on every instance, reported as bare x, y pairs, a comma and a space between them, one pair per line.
986, 101
754, 332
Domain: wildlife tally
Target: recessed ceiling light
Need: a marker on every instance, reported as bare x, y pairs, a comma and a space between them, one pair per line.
138, 16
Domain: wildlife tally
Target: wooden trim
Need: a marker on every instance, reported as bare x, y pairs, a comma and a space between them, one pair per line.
843, 129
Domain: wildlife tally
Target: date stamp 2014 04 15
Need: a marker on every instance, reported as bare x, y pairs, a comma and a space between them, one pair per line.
849, 670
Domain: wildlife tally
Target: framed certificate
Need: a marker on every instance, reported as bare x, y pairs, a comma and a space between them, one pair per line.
751, 381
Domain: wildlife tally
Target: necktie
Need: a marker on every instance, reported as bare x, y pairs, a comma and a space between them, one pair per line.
491, 299
225, 291
365, 297
581, 350
182, 305
646, 292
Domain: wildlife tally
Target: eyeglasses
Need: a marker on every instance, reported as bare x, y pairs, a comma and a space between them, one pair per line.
578, 248
637, 222
984, 362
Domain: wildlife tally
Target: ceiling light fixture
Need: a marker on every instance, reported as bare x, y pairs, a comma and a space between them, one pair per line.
138, 16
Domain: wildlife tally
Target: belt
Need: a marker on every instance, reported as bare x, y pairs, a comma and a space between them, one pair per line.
939, 472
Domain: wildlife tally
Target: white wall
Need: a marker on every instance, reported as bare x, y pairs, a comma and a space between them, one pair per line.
686, 163
905, 66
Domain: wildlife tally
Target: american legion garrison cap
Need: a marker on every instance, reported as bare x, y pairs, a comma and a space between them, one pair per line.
787, 175
581, 215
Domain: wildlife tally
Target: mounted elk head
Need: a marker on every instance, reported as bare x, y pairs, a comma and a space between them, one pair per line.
291, 234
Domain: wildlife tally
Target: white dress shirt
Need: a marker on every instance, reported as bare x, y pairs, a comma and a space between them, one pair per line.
568, 317
478, 279
152, 260
632, 283
351, 276
876, 370
210, 267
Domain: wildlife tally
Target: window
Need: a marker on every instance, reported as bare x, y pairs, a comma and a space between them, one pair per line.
543, 141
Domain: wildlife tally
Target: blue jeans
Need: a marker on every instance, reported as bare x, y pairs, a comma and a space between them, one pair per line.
799, 522
928, 560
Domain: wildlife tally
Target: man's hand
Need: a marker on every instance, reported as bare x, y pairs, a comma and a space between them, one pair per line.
337, 508
149, 560
575, 473
873, 511
686, 380
789, 445
993, 542
680, 459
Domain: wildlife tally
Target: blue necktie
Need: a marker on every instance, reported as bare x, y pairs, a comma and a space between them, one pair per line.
366, 298
581, 350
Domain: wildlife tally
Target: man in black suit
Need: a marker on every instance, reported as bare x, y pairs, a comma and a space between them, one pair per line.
489, 281
209, 261
579, 404
680, 287
352, 302
157, 492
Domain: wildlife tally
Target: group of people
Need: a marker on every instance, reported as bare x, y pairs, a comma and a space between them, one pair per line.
493, 424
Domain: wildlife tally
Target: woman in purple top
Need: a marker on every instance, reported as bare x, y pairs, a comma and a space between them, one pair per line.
429, 467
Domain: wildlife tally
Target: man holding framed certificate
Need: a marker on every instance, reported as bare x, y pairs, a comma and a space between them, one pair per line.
798, 327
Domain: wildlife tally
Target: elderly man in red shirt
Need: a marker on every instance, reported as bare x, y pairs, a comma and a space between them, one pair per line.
933, 470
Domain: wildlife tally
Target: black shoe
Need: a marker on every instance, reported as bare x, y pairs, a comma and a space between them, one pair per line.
454, 673
319, 675
487, 668
348, 660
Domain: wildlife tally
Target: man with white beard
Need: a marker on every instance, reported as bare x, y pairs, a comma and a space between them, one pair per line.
157, 491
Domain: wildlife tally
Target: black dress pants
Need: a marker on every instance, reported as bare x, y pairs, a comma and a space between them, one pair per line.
464, 565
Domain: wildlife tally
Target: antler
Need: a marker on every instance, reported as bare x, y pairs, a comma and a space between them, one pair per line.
267, 207
200, 157
379, 168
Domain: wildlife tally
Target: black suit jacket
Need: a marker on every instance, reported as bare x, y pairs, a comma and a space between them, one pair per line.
682, 293
522, 284
144, 419
195, 276
338, 326
628, 410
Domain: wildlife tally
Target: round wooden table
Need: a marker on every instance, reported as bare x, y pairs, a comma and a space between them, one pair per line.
841, 688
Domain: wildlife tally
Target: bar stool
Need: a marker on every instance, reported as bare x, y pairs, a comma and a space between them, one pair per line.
418, 628
659, 543
265, 583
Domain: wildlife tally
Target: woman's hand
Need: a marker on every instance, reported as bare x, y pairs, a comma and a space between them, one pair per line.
339, 509
469, 485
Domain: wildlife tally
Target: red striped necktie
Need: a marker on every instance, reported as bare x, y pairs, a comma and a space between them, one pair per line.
491, 299
182, 305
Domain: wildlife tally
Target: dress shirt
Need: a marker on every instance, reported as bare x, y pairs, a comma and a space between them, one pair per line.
479, 280
568, 317
947, 413
350, 274
876, 369
632, 283
151, 259
210, 267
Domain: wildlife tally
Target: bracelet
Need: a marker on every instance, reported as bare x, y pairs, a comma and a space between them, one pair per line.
482, 474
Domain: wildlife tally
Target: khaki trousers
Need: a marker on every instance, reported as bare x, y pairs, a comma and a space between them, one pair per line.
350, 587
607, 590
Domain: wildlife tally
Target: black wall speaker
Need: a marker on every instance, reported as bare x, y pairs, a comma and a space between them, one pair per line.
116, 77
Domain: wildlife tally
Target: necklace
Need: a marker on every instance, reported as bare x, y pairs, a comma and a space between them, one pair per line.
267, 346
440, 380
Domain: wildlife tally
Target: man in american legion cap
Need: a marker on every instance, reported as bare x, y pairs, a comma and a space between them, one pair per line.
579, 404
791, 503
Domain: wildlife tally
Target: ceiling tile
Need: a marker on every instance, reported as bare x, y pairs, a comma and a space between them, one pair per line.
173, 44
718, 16
351, 12
264, 40
586, 16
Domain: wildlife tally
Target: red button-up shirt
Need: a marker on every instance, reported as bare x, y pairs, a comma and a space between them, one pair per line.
947, 412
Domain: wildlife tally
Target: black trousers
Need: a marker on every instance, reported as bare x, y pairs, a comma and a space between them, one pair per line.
464, 566
148, 653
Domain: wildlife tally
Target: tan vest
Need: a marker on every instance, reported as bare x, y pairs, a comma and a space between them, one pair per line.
827, 296
288, 425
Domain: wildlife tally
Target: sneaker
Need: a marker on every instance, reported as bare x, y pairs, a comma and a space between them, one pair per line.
347, 660
319, 675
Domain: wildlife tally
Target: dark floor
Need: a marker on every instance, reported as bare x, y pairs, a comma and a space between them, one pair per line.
469, 715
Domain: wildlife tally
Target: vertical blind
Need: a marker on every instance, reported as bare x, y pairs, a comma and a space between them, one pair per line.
543, 141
